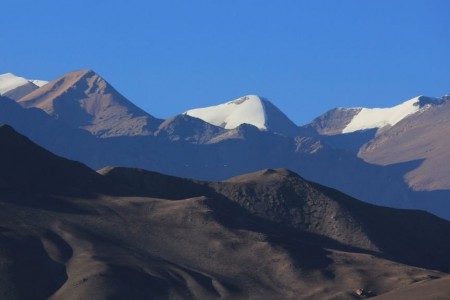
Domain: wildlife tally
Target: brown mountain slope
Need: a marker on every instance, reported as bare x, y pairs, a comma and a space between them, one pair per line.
334, 121
84, 99
283, 197
184, 127
267, 235
424, 137
423, 289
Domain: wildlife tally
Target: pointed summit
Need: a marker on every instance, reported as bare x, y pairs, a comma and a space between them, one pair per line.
83, 99
250, 109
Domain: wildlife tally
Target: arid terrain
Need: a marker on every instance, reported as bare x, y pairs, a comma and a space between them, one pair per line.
68, 232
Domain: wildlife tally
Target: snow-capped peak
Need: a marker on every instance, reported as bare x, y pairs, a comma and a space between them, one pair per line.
248, 109
9, 82
368, 118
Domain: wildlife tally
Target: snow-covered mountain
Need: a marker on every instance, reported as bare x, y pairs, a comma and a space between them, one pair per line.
368, 118
16, 87
9, 82
412, 134
421, 138
347, 120
38, 82
252, 110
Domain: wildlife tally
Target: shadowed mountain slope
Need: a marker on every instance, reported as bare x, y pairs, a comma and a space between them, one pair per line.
266, 235
49, 133
423, 289
27, 167
282, 196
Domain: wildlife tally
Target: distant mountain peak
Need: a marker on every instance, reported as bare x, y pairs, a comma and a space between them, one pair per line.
368, 118
347, 120
16, 87
83, 99
9, 81
250, 109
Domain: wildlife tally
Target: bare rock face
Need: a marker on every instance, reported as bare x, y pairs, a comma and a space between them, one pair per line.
334, 121
85, 100
186, 128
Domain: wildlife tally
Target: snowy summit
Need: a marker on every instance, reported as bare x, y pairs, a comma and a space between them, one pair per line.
38, 82
10, 82
368, 118
249, 109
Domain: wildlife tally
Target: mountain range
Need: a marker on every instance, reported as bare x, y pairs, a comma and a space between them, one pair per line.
68, 232
387, 156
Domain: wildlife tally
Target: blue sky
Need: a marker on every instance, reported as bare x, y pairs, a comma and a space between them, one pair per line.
306, 56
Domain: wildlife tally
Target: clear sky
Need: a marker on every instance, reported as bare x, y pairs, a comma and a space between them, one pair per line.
306, 56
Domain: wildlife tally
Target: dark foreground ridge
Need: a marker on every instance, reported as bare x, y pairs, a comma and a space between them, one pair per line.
67, 232
28, 167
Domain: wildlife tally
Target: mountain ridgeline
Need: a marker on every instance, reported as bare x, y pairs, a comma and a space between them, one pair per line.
68, 232
389, 156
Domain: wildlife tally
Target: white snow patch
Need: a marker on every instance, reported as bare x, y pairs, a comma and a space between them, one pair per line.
380, 117
248, 109
10, 81
38, 82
